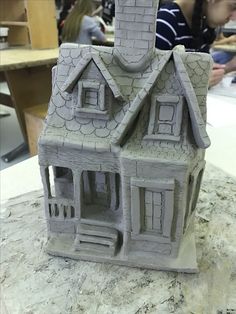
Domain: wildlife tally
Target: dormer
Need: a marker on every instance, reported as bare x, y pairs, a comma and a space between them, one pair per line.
92, 99
93, 89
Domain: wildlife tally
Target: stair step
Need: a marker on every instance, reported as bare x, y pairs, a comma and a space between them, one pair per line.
96, 240
99, 231
95, 248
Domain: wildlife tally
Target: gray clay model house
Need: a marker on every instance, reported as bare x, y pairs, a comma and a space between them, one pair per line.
125, 138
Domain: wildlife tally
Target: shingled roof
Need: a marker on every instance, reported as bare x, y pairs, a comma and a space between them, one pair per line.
84, 61
139, 99
132, 87
198, 124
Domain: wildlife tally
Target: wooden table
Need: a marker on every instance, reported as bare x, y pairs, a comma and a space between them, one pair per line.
28, 75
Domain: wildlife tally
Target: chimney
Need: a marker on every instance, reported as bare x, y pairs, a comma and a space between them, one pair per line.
135, 28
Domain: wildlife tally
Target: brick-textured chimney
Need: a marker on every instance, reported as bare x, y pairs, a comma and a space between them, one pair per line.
135, 28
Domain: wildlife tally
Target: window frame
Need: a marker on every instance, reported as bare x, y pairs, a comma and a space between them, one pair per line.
156, 102
88, 112
166, 187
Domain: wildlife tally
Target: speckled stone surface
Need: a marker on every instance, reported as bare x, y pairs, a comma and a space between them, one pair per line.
35, 282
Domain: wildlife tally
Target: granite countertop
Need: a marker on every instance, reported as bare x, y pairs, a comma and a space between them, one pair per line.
34, 282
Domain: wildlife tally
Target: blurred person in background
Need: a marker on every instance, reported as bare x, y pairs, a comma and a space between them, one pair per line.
225, 57
66, 7
192, 23
79, 26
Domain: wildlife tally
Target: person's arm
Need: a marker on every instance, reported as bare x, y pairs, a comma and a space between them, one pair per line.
219, 70
97, 11
165, 30
217, 74
94, 30
231, 65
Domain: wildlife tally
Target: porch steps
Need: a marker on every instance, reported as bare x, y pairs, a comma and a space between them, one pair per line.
96, 239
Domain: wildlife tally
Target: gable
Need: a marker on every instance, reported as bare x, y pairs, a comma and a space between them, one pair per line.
91, 72
80, 68
198, 124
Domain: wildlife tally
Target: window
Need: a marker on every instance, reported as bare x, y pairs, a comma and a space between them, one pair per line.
91, 100
153, 209
165, 118
152, 206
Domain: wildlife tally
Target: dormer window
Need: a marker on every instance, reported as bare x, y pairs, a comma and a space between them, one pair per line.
91, 100
165, 118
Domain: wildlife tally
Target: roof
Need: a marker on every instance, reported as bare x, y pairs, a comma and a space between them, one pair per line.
139, 99
198, 124
78, 70
134, 87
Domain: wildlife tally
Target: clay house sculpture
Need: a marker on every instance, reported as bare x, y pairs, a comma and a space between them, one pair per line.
125, 138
